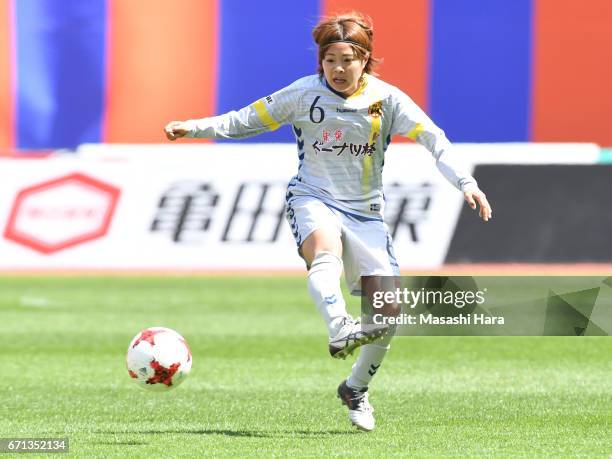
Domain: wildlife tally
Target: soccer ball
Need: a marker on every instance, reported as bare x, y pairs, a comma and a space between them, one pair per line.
158, 359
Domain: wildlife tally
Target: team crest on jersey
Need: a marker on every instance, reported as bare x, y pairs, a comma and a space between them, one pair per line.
375, 110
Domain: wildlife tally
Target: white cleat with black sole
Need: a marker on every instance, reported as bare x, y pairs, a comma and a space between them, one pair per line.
360, 410
352, 335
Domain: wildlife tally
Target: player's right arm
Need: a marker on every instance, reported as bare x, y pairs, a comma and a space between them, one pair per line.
265, 114
409, 120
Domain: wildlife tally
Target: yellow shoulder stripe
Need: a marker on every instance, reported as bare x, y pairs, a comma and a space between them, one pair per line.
264, 115
418, 129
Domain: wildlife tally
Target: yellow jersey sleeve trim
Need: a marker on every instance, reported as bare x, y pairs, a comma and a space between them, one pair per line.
415, 132
264, 115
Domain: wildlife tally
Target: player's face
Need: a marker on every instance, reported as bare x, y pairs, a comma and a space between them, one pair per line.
342, 69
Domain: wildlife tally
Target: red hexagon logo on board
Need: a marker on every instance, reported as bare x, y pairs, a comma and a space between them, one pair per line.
61, 213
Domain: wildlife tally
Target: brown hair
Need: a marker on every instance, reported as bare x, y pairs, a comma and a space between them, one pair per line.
354, 28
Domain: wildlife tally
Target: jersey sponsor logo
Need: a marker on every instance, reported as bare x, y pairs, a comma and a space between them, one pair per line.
269, 99
375, 207
326, 135
346, 110
353, 149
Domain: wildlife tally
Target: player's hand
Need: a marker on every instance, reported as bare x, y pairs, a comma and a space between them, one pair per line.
176, 129
477, 196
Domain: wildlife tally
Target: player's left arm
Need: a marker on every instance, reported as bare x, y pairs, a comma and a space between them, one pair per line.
410, 121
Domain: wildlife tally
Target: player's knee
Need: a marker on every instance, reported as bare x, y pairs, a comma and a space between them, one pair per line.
325, 261
320, 241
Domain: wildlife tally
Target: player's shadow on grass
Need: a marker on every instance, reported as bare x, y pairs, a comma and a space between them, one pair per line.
228, 433
122, 443
236, 433
314, 433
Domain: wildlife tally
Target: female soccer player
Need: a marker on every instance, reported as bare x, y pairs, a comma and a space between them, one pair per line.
343, 119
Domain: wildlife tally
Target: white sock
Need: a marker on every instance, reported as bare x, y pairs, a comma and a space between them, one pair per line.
369, 360
324, 288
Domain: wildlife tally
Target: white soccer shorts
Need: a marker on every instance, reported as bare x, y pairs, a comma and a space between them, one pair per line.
367, 247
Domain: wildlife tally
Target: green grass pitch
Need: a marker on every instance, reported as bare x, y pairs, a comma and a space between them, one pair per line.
263, 384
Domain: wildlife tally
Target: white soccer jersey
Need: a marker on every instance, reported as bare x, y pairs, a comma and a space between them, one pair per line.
341, 141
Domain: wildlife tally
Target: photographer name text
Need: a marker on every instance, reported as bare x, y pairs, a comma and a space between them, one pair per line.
431, 319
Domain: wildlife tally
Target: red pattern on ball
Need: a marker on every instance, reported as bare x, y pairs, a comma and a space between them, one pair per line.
162, 374
148, 336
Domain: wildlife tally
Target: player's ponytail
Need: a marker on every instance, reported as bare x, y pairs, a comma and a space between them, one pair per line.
353, 28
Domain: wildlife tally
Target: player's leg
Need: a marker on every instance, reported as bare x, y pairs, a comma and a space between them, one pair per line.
317, 230
372, 355
353, 391
322, 251
368, 255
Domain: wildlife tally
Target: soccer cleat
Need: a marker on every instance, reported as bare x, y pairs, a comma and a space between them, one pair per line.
360, 410
352, 335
